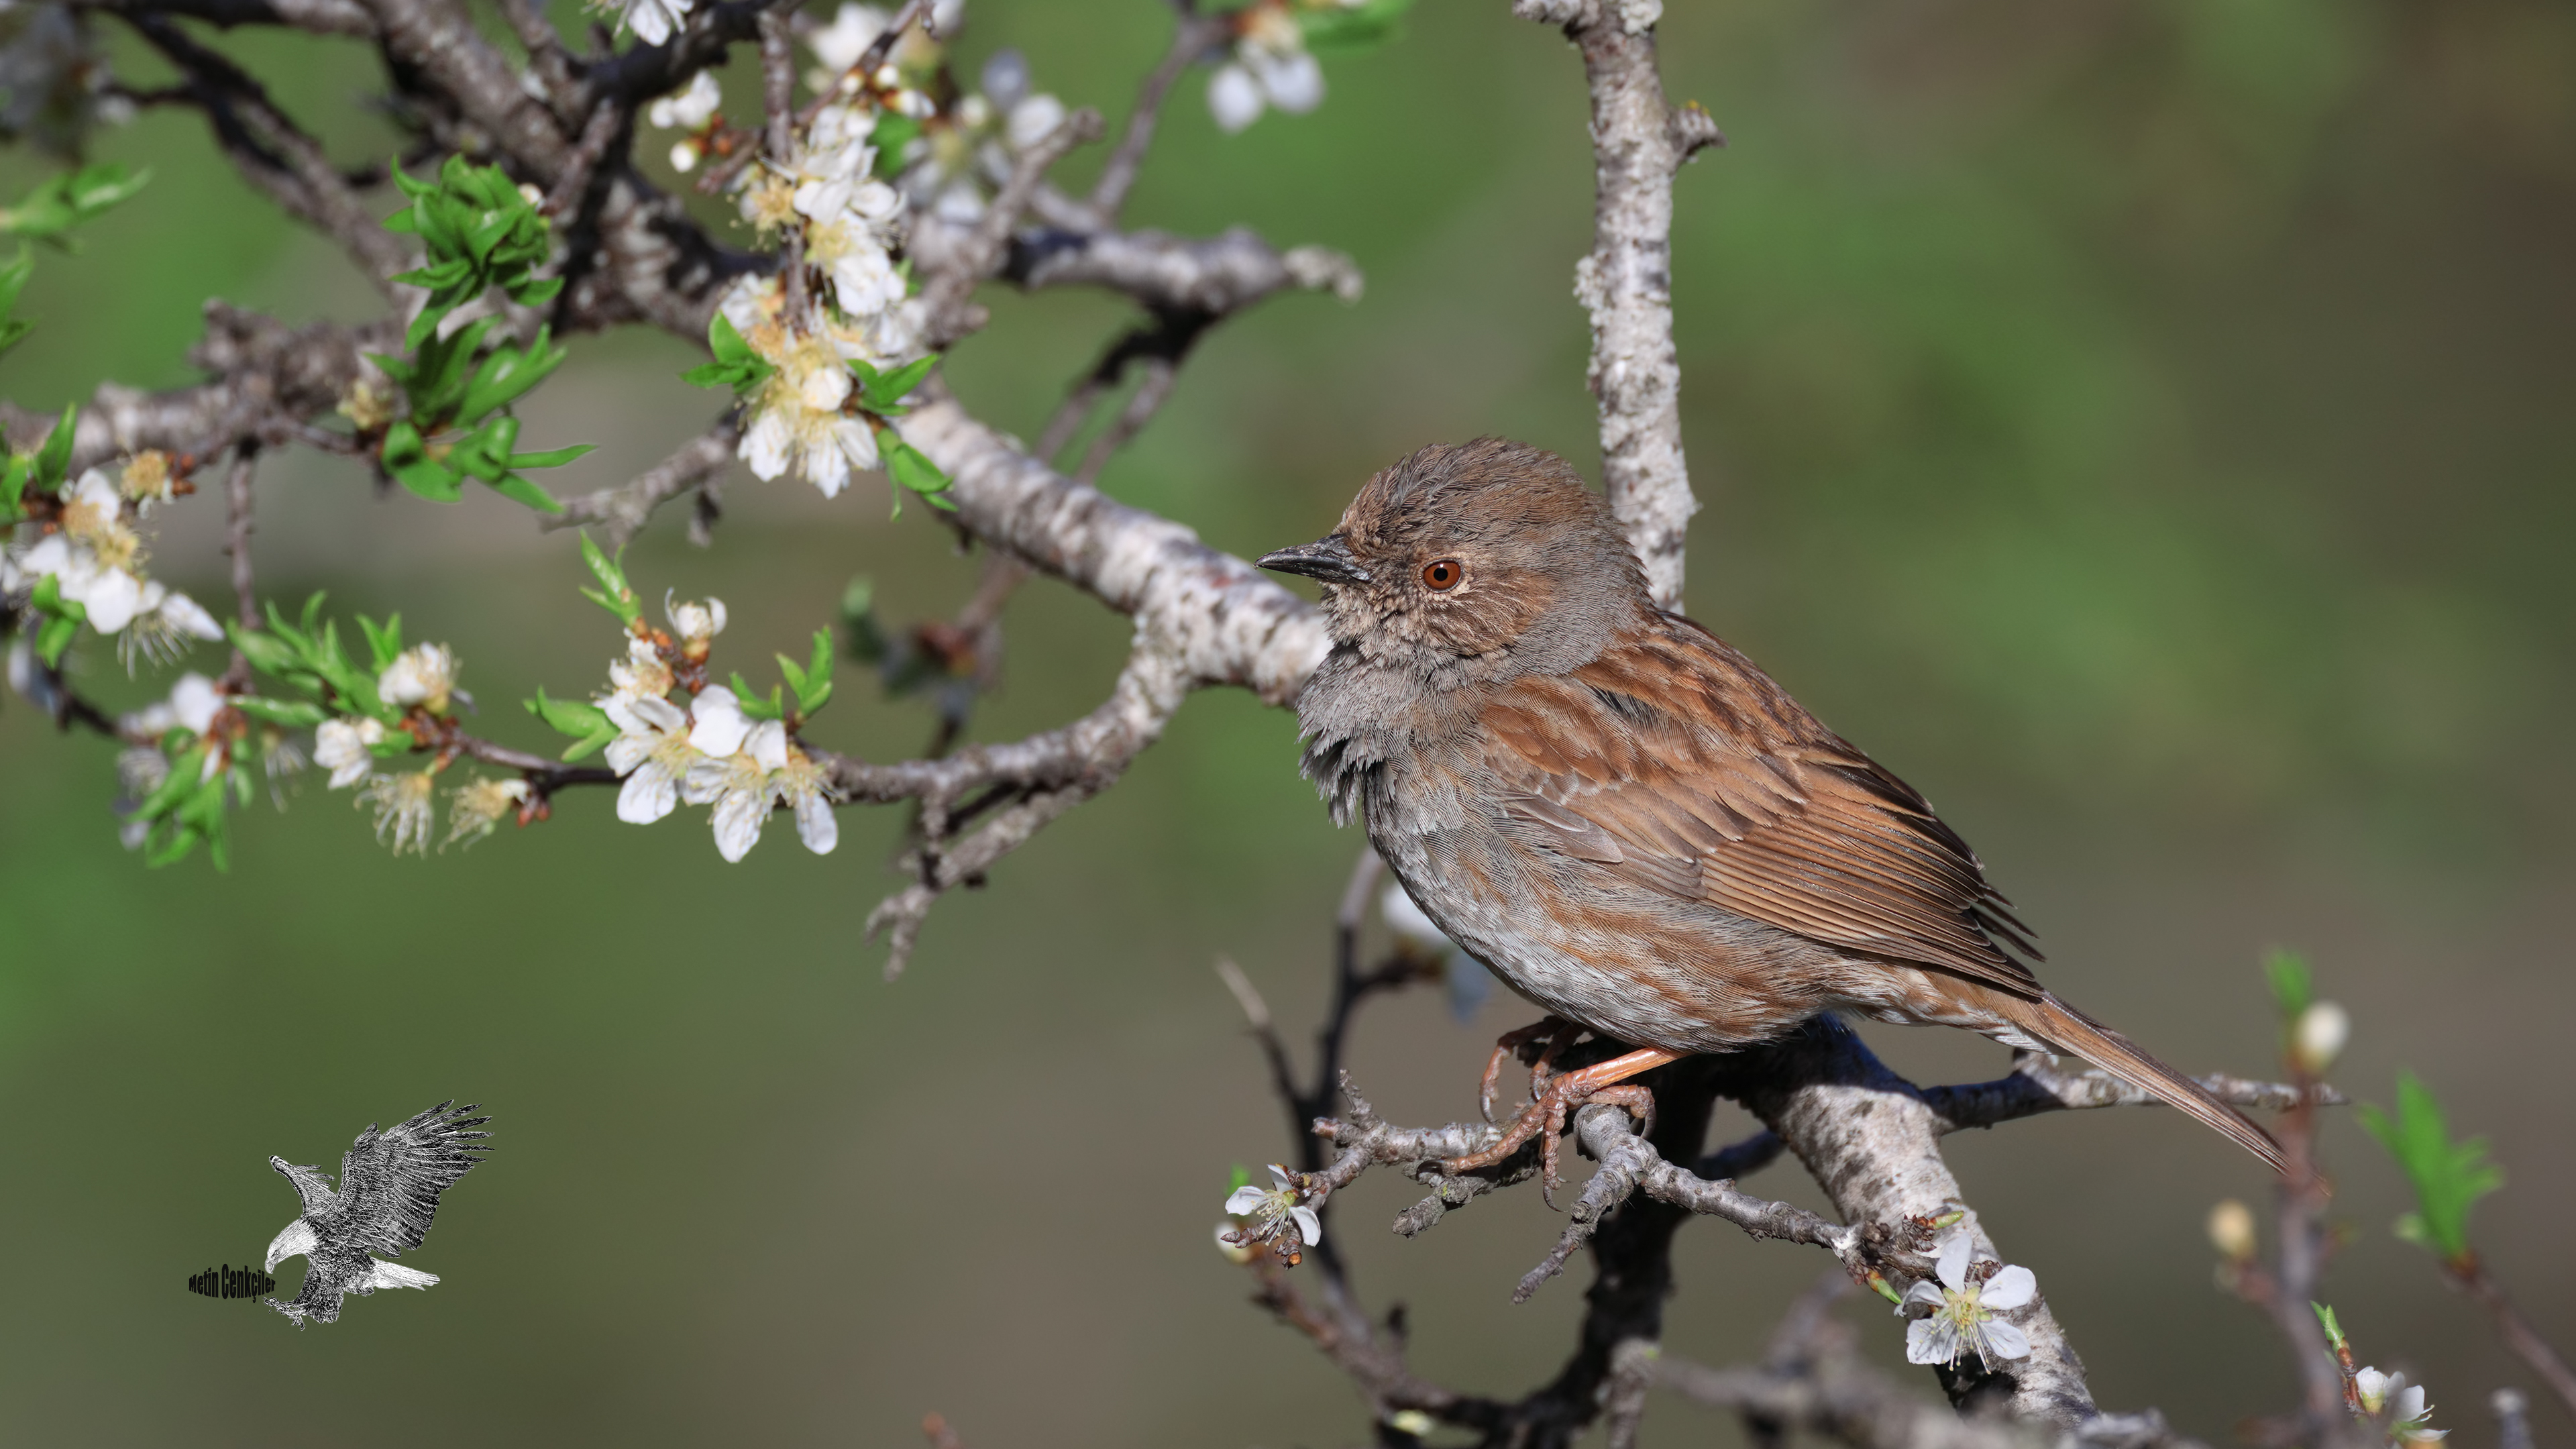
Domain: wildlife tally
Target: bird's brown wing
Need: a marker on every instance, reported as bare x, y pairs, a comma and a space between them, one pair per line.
1672, 762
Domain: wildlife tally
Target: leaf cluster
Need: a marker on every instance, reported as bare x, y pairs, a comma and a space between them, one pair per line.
44, 470
65, 200
46, 214
481, 232
187, 808
451, 393
811, 682
307, 656
2449, 1177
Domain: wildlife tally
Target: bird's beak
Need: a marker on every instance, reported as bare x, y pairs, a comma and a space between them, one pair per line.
1327, 558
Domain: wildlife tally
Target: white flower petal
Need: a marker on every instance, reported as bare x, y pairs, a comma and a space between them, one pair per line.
1309, 1225
1925, 1292
1294, 82
2410, 1404
1931, 1340
1953, 1262
1032, 121
1281, 1176
720, 725
647, 795
1234, 98
187, 616
195, 700
113, 599
2011, 1288
1245, 1200
766, 444
817, 824
2002, 1340
767, 745
738, 818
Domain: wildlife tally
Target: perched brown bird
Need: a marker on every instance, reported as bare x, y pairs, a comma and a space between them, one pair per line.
1625, 819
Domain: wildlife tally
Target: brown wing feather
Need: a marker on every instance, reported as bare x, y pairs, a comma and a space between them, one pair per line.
1674, 763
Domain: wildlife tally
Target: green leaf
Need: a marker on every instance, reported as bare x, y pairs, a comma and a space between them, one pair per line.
588, 723
2292, 989
884, 392
54, 638
754, 706
406, 457
618, 598
13, 277
813, 681
893, 132
2326, 1320
2449, 1177
570, 716
506, 376
383, 643
1352, 29
554, 458
54, 459
906, 465
736, 366
520, 490
291, 714
63, 201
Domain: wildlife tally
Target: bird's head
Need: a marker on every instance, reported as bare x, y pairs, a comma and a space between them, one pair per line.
1490, 552
299, 1237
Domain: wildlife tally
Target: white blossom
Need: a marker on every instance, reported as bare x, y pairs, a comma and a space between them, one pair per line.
643, 674
797, 419
1234, 98
1273, 1210
403, 811
343, 747
689, 109
840, 44
196, 702
694, 621
1271, 67
2396, 1406
1033, 120
1962, 1320
807, 789
475, 808
653, 21
424, 675
2319, 1036
651, 752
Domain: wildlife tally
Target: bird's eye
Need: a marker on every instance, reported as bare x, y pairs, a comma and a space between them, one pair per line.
1443, 574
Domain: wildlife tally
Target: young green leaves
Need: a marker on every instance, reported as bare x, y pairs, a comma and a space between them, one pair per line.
307, 656
2449, 1177
44, 470
46, 214
481, 232
736, 366
64, 201
613, 594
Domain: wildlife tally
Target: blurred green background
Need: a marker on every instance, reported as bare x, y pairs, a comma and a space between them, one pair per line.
2145, 426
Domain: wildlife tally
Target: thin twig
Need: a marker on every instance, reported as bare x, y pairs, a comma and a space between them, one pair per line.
1192, 38
237, 531
778, 93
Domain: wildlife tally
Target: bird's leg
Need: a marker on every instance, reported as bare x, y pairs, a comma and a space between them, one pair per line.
1558, 1098
1509, 1043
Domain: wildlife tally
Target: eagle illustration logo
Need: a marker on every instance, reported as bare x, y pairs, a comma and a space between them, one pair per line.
389, 1187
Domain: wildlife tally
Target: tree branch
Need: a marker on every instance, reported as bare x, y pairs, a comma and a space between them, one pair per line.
1626, 283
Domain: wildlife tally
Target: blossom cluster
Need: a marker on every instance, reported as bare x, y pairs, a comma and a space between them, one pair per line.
87, 565
1963, 1305
712, 751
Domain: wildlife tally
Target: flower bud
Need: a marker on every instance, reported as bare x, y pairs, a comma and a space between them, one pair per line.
684, 156
1237, 1253
2231, 1230
2319, 1036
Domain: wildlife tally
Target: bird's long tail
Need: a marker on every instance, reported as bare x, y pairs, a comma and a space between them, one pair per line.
2062, 1027
381, 1274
